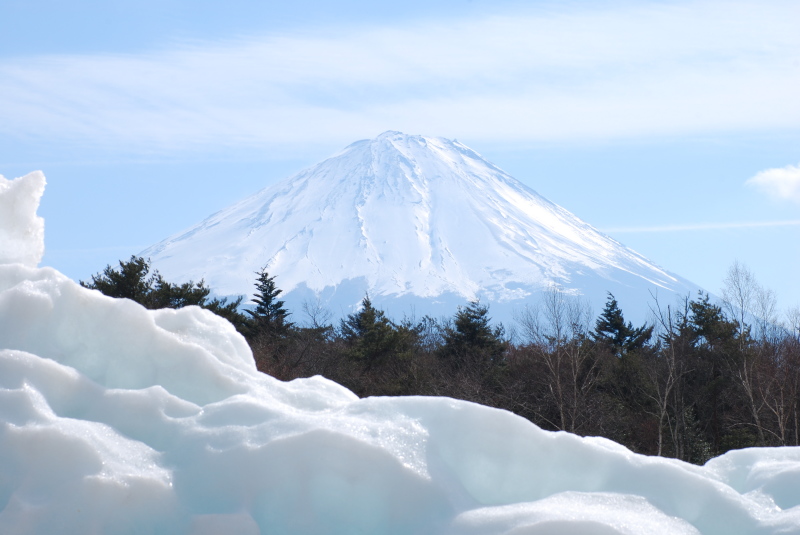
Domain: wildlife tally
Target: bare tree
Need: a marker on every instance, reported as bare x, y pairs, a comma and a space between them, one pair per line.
746, 300
792, 341
317, 314
780, 385
739, 294
665, 372
557, 329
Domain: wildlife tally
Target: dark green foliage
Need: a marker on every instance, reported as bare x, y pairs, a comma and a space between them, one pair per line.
129, 281
471, 340
272, 337
716, 358
269, 316
710, 326
368, 353
136, 280
619, 336
370, 336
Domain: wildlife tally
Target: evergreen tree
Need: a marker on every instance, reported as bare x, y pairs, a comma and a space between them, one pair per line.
716, 357
136, 280
371, 336
131, 280
269, 315
712, 329
471, 339
619, 336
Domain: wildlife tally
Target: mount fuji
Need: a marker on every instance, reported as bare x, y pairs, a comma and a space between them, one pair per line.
422, 225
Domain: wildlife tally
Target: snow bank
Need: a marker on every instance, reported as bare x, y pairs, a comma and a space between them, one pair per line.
21, 231
119, 420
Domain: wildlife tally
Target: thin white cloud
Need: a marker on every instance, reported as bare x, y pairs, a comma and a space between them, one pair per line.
779, 183
115, 249
618, 71
702, 226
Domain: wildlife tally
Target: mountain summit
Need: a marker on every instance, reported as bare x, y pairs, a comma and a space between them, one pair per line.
414, 221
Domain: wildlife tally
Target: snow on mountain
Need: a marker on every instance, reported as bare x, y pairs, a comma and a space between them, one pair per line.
415, 221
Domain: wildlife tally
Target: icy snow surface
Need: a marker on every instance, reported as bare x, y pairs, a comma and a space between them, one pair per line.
412, 218
21, 231
116, 419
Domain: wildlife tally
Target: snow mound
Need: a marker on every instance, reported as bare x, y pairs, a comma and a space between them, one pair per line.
21, 230
119, 420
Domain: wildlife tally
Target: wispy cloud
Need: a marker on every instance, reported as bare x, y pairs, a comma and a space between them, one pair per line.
83, 251
617, 71
702, 226
779, 183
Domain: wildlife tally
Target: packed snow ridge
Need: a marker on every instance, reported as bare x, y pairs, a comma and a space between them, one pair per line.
115, 419
407, 217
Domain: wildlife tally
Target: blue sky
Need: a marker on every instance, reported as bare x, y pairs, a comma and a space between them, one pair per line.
672, 125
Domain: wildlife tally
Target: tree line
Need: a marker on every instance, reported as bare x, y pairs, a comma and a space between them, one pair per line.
699, 379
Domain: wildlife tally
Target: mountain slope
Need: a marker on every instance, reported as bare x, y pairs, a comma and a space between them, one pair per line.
412, 220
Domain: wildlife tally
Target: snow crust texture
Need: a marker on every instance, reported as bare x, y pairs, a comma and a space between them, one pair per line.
21, 230
119, 420
400, 216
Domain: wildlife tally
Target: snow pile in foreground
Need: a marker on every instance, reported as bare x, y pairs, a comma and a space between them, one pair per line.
116, 419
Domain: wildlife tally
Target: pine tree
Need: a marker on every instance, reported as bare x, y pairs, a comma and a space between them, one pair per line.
471, 339
717, 361
712, 327
619, 336
370, 334
137, 281
269, 316
131, 280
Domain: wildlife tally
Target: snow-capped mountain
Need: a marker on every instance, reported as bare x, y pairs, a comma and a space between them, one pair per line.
422, 224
